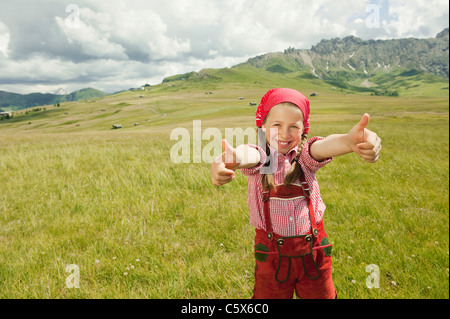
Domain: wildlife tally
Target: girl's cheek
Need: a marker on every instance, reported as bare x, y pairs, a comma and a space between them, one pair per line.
273, 133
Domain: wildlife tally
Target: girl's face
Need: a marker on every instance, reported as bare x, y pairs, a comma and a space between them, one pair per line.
284, 127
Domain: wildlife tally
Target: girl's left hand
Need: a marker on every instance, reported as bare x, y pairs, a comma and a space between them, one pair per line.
364, 142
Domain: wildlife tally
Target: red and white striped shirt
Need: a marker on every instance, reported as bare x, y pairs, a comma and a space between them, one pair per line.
289, 217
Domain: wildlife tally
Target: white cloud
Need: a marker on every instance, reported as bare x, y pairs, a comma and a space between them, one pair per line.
40, 69
107, 33
4, 39
89, 33
419, 18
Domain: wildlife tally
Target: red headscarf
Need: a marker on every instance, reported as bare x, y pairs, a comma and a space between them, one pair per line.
281, 95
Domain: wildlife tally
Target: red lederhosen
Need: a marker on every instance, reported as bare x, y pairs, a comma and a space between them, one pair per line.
285, 264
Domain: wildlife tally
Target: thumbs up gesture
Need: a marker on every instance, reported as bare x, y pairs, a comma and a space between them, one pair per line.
223, 167
364, 142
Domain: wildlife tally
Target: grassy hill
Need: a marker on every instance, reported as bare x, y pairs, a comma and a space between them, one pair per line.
214, 94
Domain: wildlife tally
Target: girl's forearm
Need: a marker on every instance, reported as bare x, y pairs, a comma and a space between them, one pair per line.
247, 157
331, 146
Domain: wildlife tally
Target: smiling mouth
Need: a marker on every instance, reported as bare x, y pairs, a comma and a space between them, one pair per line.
283, 143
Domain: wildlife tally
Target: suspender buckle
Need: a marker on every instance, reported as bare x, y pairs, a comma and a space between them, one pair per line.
305, 188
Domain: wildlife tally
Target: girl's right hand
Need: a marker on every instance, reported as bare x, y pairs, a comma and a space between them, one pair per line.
223, 167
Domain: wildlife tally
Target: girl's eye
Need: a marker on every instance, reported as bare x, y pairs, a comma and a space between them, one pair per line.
276, 124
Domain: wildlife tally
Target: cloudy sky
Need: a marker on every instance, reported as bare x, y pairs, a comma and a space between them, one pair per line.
47, 45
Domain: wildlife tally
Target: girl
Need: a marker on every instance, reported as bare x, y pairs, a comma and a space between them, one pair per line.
292, 250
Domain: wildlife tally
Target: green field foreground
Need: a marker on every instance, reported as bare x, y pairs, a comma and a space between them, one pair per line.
137, 225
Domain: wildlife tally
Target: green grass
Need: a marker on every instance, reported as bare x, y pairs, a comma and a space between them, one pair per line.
73, 191
75, 199
393, 214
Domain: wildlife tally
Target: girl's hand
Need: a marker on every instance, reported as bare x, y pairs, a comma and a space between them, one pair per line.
223, 167
365, 143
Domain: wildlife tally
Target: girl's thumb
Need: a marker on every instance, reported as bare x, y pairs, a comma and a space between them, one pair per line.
229, 158
225, 145
364, 121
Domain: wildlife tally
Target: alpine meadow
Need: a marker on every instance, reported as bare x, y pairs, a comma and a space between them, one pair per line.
88, 211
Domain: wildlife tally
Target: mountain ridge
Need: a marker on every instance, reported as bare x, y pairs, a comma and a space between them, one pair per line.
16, 101
392, 67
363, 57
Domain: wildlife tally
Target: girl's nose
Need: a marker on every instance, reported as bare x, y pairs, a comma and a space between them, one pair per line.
283, 132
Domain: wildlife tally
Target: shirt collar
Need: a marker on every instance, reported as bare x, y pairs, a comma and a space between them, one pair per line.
289, 155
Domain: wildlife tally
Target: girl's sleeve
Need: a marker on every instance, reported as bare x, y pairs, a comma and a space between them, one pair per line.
309, 162
255, 169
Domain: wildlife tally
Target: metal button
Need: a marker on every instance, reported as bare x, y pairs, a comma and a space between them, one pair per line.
280, 242
308, 238
315, 232
269, 235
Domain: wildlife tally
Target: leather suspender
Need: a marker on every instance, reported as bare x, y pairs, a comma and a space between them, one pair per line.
307, 192
269, 230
